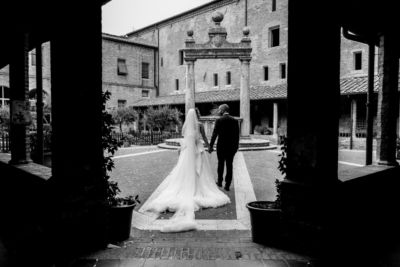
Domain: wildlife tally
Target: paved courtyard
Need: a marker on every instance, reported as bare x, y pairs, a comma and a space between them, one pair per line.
140, 169
224, 237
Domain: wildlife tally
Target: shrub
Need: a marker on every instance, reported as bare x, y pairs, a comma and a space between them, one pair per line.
110, 146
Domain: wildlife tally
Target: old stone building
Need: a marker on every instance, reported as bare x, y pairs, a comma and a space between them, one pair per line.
147, 67
128, 71
217, 80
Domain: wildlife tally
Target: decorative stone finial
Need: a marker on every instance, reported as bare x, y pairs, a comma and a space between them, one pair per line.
217, 18
246, 31
190, 33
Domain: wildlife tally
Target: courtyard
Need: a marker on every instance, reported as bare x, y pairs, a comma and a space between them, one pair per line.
224, 237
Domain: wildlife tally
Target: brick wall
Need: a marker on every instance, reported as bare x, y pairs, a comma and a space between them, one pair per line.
127, 87
358, 143
125, 92
260, 18
348, 47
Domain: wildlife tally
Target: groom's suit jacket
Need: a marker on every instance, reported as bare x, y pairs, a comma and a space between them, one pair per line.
227, 130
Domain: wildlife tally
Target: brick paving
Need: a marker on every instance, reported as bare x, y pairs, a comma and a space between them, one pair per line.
233, 245
143, 173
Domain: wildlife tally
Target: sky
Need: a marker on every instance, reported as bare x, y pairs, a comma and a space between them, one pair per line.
123, 16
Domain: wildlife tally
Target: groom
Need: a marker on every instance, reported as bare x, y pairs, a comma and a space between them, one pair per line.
227, 130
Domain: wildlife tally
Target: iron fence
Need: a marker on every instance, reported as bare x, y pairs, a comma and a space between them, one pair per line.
144, 138
5, 143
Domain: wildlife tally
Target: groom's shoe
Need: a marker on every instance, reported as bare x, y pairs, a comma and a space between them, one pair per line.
226, 188
219, 185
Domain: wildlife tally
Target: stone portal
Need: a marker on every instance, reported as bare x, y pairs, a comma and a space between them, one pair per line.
218, 47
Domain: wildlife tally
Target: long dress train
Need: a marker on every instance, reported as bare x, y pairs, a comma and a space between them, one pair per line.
189, 186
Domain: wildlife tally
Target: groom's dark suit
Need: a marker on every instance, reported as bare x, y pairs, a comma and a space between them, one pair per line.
227, 130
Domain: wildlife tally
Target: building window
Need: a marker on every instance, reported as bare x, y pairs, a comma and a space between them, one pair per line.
357, 58
162, 62
145, 93
121, 103
180, 57
121, 67
228, 78
274, 36
215, 79
4, 96
283, 70
273, 5
145, 70
266, 73
33, 58
177, 84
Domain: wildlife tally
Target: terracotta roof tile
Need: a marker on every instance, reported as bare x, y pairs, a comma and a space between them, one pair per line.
131, 40
348, 86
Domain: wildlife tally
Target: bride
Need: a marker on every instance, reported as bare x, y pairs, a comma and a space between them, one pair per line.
190, 185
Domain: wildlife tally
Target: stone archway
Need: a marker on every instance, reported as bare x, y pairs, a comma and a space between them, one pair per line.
219, 48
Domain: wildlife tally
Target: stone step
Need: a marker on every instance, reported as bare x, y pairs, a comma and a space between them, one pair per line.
241, 148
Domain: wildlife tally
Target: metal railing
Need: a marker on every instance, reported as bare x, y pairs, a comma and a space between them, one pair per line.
144, 138
4, 143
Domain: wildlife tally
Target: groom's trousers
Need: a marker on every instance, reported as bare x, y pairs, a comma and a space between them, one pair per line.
228, 159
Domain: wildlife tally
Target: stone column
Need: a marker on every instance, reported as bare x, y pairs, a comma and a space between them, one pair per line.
245, 97
308, 193
77, 125
190, 85
39, 105
388, 101
353, 117
398, 121
275, 120
312, 126
78, 176
19, 100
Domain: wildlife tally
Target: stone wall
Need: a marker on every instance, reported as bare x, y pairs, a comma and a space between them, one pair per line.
172, 37
348, 48
128, 87
131, 86
357, 143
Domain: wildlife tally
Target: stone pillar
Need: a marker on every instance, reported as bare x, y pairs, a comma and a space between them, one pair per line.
77, 126
78, 181
19, 100
353, 117
312, 126
190, 85
275, 120
398, 121
39, 105
308, 193
388, 101
245, 97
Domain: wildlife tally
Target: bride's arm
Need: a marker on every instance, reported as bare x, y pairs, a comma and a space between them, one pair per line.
203, 134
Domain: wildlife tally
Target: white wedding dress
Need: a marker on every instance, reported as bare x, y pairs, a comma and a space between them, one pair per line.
190, 185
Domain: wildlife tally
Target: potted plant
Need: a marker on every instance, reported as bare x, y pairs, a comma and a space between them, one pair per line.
266, 216
120, 208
